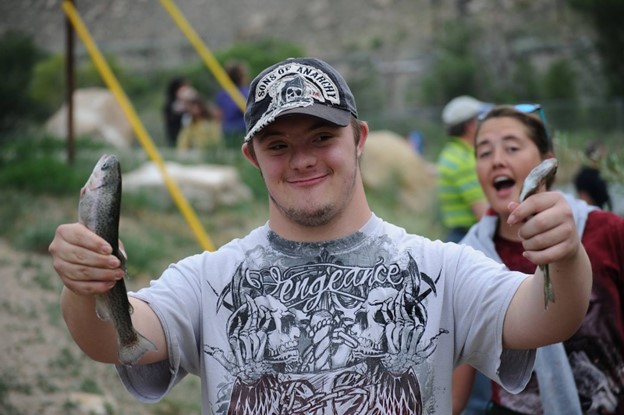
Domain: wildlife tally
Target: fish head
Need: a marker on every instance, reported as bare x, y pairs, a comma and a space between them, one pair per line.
107, 172
538, 177
100, 200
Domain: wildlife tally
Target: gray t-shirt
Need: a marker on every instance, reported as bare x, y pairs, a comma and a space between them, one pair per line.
373, 323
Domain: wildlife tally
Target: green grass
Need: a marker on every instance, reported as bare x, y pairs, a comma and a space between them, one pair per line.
184, 399
66, 361
8, 384
90, 386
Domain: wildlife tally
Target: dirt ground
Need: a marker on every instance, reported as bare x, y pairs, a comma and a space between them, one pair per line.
41, 370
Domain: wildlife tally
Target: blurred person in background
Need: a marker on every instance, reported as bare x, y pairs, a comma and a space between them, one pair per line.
588, 182
461, 199
203, 130
174, 109
416, 140
232, 120
584, 374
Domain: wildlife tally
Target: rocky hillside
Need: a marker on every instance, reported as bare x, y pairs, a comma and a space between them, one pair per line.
390, 30
143, 27
389, 45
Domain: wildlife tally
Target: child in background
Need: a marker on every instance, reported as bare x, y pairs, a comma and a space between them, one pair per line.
203, 129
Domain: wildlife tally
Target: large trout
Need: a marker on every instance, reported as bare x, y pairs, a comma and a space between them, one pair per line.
537, 178
99, 209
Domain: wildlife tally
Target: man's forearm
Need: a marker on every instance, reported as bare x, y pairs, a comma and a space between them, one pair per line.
528, 325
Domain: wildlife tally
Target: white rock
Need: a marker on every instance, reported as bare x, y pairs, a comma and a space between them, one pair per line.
205, 186
389, 160
96, 114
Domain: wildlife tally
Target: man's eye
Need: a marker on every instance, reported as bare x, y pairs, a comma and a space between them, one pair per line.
276, 146
483, 154
324, 137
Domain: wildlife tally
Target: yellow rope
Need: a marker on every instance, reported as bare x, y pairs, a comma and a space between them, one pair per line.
203, 51
140, 131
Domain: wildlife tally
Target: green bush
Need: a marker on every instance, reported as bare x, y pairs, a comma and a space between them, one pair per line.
36, 163
560, 81
366, 85
455, 70
35, 237
18, 57
49, 80
525, 83
261, 53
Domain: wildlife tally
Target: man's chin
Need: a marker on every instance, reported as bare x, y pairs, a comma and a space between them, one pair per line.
310, 217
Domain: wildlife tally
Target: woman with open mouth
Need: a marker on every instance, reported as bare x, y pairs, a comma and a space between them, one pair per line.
584, 373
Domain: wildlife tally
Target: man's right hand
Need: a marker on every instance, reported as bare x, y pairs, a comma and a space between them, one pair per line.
83, 260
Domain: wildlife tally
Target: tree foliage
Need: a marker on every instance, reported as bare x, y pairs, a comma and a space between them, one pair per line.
260, 54
18, 57
256, 54
606, 17
559, 81
454, 70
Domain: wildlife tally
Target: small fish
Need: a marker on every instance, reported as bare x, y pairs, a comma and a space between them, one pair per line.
536, 179
99, 210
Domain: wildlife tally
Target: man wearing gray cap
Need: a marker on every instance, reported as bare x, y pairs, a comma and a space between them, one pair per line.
327, 308
461, 199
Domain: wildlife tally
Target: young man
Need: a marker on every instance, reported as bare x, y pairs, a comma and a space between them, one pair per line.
327, 308
461, 199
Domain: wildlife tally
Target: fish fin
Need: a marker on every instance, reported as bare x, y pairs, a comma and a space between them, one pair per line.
102, 307
131, 353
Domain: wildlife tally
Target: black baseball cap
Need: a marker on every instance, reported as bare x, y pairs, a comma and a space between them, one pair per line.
298, 86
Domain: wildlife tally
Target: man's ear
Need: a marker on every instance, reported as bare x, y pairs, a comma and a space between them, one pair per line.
248, 155
363, 136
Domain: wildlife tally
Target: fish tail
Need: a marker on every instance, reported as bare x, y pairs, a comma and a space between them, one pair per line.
549, 291
131, 353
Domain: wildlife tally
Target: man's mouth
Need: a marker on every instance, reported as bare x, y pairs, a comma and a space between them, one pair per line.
307, 181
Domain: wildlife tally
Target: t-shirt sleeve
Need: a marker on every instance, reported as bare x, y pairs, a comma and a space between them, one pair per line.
483, 290
179, 316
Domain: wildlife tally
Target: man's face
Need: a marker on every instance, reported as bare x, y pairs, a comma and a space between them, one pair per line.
310, 168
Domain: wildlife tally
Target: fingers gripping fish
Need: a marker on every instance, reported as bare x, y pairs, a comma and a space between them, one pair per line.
99, 210
538, 177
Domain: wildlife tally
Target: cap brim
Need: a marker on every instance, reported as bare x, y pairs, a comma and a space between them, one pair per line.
334, 115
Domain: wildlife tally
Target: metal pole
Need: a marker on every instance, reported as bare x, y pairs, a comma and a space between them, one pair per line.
70, 86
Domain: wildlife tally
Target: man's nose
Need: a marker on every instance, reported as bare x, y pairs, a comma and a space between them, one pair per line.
302, 157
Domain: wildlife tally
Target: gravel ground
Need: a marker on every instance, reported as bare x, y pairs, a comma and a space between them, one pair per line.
42, 371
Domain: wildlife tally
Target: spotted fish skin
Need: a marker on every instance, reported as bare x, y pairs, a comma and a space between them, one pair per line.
537, 178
